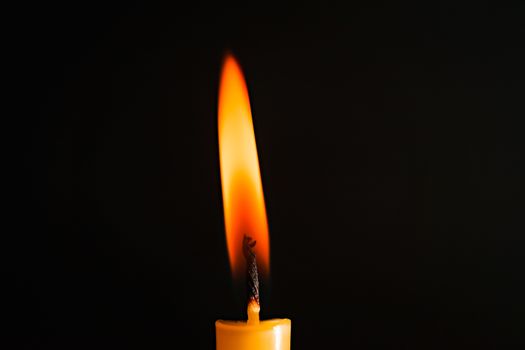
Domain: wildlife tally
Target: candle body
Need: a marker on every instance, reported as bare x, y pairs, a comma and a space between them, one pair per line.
265, 335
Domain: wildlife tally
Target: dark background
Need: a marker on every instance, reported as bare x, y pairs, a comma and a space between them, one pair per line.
390, 149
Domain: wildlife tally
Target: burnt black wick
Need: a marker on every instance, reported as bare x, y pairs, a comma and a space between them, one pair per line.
251, 268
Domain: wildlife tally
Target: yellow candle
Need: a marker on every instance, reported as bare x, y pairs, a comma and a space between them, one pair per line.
244, 215
254, 334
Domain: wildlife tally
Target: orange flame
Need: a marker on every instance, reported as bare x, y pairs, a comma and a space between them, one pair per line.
242, 192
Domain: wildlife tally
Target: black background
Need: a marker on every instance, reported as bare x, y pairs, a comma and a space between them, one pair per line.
390, 149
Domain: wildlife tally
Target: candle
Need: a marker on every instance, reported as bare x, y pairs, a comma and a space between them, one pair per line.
244, 216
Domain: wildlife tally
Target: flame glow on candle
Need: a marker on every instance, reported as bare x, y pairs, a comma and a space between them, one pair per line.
242, 192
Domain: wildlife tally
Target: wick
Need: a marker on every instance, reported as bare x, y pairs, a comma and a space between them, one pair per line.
252, 279
253, 312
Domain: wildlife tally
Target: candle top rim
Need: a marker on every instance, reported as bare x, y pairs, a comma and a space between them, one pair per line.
244, 326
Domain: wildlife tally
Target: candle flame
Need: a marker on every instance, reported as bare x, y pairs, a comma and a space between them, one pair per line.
242, 192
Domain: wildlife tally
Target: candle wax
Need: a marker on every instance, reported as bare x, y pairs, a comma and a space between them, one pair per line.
264, 335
